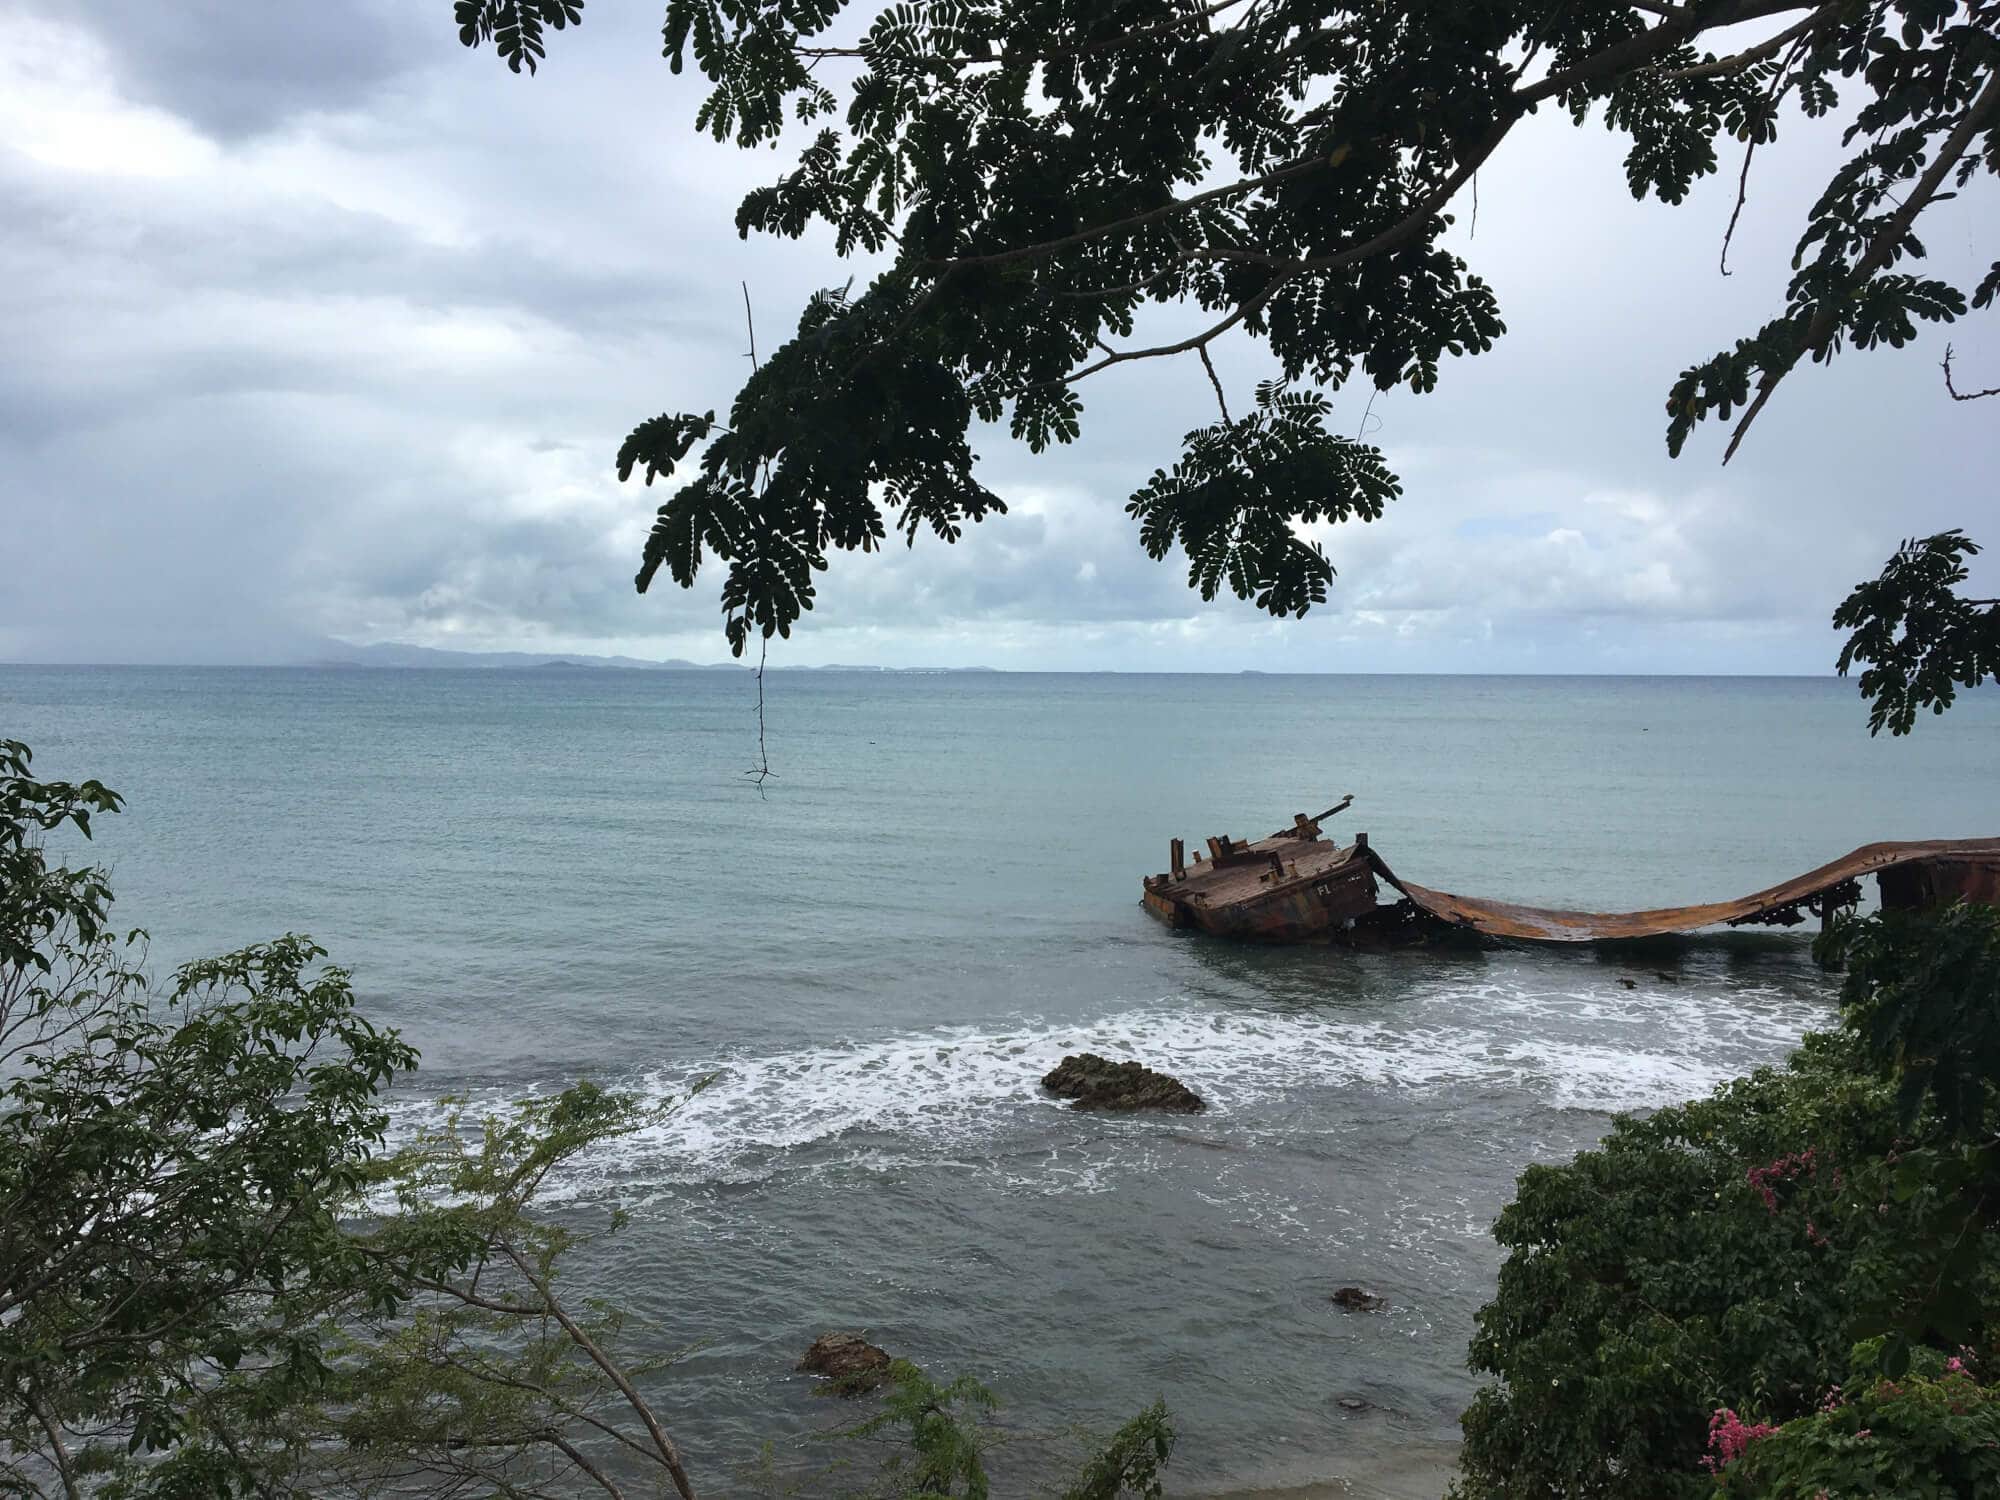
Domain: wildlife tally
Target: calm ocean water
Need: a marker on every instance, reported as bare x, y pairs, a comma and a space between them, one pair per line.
545, 874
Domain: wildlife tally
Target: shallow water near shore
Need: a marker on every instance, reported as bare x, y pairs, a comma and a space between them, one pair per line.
546, 874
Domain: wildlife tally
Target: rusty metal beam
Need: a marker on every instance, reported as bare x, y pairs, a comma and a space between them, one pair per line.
1967, 866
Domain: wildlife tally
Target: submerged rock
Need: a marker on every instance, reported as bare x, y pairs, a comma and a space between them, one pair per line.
1352, 1403
1355, 1300
1098, 1083
848, 1361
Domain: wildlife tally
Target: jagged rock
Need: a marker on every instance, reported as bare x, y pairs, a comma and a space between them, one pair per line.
1098, 1083
1355, 1300
848, 1361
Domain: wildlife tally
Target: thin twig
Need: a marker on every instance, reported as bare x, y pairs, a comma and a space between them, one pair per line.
1954, 392
1209, 365
1781, 85
761, 772
1366, 412
1742, 196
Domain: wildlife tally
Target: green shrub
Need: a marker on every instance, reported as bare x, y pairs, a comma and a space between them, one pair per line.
1933, 1435
1728, 1255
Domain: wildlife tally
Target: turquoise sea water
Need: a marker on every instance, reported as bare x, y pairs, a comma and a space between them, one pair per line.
545, 874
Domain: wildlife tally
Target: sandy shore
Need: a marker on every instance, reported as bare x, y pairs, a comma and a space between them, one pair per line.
1418, 1471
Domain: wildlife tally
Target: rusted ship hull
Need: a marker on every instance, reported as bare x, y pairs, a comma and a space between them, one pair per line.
1297, 885
1301, 907
1289, 887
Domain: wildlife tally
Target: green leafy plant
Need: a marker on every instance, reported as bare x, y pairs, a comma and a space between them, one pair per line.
216, 1277
943, 1429
943, 1434
1131, 1462
1719, 1262
1934, 1434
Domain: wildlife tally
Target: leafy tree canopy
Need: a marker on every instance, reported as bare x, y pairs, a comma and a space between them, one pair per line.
1040, 172
1922, 638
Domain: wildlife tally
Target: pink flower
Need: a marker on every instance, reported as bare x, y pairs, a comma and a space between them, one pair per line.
1955, 1364
1803, 1164
1728, 1436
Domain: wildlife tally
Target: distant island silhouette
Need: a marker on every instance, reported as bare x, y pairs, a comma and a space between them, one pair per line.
337, 653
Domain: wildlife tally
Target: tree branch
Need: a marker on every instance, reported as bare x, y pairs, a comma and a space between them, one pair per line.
576, 1457
1781, 84
1045, 248
1209, 365
1765, 49
1620, 55
669, 1454
1880, 248
64, 1469
875, 57
1957, 395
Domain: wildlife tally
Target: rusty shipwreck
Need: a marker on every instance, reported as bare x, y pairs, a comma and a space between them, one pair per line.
1300, 884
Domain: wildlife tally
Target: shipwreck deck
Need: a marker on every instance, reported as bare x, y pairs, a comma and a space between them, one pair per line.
1288, 886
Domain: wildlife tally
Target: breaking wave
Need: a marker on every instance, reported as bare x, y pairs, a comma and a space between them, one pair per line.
971, 1090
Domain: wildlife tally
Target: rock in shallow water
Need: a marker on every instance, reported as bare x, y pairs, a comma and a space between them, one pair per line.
1098, 1083
1355, 1300
849, 1361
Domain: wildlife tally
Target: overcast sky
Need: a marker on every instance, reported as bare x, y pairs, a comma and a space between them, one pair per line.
320, 326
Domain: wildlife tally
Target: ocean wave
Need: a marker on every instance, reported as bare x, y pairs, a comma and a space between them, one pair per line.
925, 1095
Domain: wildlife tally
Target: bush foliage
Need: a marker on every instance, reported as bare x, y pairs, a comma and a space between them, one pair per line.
1737, 1262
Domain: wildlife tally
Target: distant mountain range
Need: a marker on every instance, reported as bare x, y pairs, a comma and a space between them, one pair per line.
335, 653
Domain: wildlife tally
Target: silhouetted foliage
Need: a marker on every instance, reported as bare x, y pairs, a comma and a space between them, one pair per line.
1040, 171
1923, 640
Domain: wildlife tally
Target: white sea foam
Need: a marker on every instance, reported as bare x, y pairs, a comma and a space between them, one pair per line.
961, 1089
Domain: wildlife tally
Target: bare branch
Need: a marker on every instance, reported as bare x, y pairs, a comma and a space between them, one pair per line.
669, 1454
58, 1453
1209, 365
1957, 395
576, 1457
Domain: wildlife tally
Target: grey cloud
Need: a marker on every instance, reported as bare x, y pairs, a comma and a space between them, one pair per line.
236, 70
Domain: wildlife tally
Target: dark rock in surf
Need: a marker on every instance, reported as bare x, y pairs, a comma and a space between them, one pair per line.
1098, 1083
1355, 1300
1351, 1403
851, 1364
